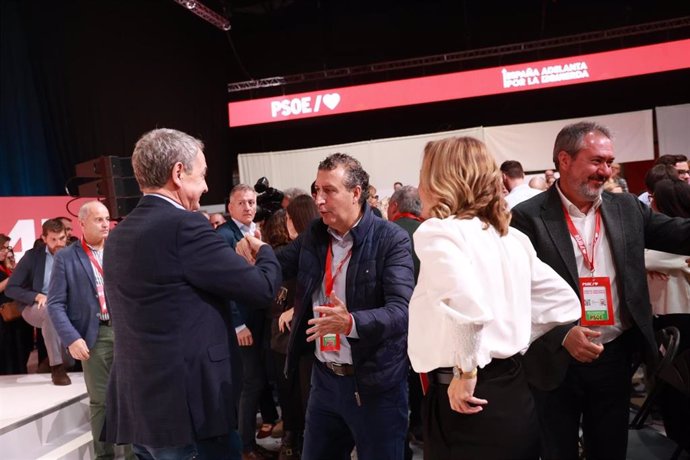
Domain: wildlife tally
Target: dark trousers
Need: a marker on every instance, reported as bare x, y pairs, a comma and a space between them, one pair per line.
599, 393
335, 423
254, 382
505, 429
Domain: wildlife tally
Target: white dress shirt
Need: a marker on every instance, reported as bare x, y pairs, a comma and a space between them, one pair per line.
480, 295
522, 192
671, 296
603, 261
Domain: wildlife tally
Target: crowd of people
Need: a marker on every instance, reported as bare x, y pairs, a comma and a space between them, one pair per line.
484, 316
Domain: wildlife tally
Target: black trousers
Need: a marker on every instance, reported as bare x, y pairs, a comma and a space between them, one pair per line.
506, 428
599, 393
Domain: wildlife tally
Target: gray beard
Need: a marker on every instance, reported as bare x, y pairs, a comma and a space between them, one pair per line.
589, 193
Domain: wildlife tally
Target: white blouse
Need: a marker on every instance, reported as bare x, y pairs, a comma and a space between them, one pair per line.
671, 296
480, 296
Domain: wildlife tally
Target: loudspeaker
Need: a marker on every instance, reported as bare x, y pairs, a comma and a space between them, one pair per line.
116, 184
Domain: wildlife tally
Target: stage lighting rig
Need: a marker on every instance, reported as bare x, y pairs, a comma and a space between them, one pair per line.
205, 13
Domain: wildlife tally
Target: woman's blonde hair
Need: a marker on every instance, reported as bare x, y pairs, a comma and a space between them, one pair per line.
461, 174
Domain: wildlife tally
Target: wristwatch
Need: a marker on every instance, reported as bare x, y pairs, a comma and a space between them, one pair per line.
460, 374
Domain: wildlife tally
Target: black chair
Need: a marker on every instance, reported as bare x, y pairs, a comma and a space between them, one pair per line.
672, 372
668, 339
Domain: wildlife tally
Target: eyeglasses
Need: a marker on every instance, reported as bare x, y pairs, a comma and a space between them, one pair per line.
6, 248
682, 172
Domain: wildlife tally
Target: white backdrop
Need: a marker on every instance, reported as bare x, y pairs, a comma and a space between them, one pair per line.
673, 129
399, 159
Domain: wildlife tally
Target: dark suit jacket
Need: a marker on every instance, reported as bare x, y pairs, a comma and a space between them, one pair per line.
631, 227
176, 373
411, 226
27, 278
73, 299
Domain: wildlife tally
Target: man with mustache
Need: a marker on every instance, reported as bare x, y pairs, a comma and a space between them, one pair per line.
596, 242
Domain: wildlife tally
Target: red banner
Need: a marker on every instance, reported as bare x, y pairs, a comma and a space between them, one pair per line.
460, 85
21, 217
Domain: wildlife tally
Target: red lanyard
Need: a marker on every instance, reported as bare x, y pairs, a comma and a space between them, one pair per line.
330, 277
580, 241
409, 215
92, 258
99, 287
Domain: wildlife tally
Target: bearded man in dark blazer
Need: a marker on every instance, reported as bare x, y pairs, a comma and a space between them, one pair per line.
169, 280
592, 239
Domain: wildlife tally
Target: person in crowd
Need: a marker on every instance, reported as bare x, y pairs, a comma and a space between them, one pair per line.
678, 162
294, 386
514, 182
289, 194
612, 186
617, 178
538, 183
596, 242
670, 298
29, 285
482, 296
174, 382
67, 223
397, 186
354, 279
275, 233
405, 209
16, 337
657, 173
249, 322
373, 201
217, 219
79, 312
549, 177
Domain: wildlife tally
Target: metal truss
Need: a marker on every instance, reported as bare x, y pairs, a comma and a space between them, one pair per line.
448, 58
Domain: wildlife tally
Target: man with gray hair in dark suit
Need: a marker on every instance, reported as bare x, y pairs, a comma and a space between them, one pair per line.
595, 240
176, 375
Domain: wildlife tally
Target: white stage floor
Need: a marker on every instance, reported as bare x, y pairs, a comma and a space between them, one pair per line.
27, 397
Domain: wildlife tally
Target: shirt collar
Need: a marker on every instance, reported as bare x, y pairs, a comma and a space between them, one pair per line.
250, 229
572, 209
168, 199
347, 234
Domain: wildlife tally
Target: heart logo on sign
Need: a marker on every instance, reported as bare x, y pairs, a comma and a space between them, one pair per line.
331, 100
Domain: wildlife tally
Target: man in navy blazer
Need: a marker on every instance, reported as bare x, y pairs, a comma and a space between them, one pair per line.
580, 370
79, 312
175, 380
29, 285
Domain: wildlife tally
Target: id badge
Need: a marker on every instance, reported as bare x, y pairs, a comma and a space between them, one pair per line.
597, 303
329, 342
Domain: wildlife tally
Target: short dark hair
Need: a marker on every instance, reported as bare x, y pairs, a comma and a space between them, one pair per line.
53, 226
670, 160
407, 199
657, 173
570, 139
512, 169
302, 210
672, 197
355, 175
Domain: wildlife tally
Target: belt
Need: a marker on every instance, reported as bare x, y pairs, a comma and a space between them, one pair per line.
341, 370
105, 323
441, 376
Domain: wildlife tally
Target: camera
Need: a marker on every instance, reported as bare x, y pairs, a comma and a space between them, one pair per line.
268, 200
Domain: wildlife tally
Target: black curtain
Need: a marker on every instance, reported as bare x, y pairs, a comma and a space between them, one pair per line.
81, 79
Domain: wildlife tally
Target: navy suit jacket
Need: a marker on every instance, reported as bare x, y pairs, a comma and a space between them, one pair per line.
176, 373
26, 280
72, 297
631, 227
241, 314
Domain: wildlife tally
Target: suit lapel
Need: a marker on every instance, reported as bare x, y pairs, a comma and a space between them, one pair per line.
86, 264
554, 221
